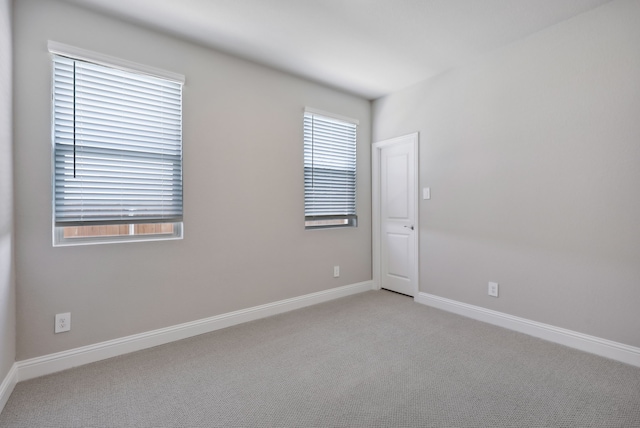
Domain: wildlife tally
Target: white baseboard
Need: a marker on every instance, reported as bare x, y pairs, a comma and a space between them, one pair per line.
595, 345
7, 385
52, 363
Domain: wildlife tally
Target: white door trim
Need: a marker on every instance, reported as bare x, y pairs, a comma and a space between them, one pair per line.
375, 199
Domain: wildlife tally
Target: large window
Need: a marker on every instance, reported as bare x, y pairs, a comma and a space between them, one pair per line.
117, 153
329, 171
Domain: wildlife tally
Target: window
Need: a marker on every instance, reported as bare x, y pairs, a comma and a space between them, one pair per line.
329, 170
117, 151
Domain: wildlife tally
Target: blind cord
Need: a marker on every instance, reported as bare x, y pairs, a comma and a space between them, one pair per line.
74, 119
313, 169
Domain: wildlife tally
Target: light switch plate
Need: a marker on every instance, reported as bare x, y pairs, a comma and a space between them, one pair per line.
426, 193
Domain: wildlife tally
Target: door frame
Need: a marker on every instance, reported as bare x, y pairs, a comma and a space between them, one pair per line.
376, 207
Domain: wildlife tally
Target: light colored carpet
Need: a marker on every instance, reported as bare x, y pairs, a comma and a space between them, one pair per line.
375, 359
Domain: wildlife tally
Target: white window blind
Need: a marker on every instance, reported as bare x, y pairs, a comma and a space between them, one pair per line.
117, 145
329, 171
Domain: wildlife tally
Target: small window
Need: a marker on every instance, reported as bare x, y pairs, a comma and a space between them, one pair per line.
117, 154
329, 171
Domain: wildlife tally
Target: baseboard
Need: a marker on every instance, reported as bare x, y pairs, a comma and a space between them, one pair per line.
52, 363
7, 385
595, 345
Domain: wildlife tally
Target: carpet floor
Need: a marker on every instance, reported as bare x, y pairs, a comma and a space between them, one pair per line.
375, 359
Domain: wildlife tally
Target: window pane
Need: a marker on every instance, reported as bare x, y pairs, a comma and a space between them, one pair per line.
156, 228
329, 172
117, 147
117, 230
90, 231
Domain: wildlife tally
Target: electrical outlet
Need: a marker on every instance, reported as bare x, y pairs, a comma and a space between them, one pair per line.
493, 289
63, 322
336, 271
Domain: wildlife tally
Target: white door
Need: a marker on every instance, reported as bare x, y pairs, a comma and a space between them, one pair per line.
397, 175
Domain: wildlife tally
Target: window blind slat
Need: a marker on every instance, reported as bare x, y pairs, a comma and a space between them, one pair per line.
126, 132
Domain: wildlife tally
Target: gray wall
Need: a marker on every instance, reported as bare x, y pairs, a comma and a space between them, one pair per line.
7, 282
533, 159
245, 242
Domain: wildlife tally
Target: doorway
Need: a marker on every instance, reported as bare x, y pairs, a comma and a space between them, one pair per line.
395, 214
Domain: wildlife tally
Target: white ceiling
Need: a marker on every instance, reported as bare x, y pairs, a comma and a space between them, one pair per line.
366, 47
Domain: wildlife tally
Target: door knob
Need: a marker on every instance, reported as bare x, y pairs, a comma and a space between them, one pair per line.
409, 227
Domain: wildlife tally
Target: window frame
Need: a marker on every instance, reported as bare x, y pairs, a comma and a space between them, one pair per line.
334, 220
58, 238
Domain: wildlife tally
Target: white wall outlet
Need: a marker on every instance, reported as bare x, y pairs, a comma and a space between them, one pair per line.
63, 322
493, 289
336, 271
